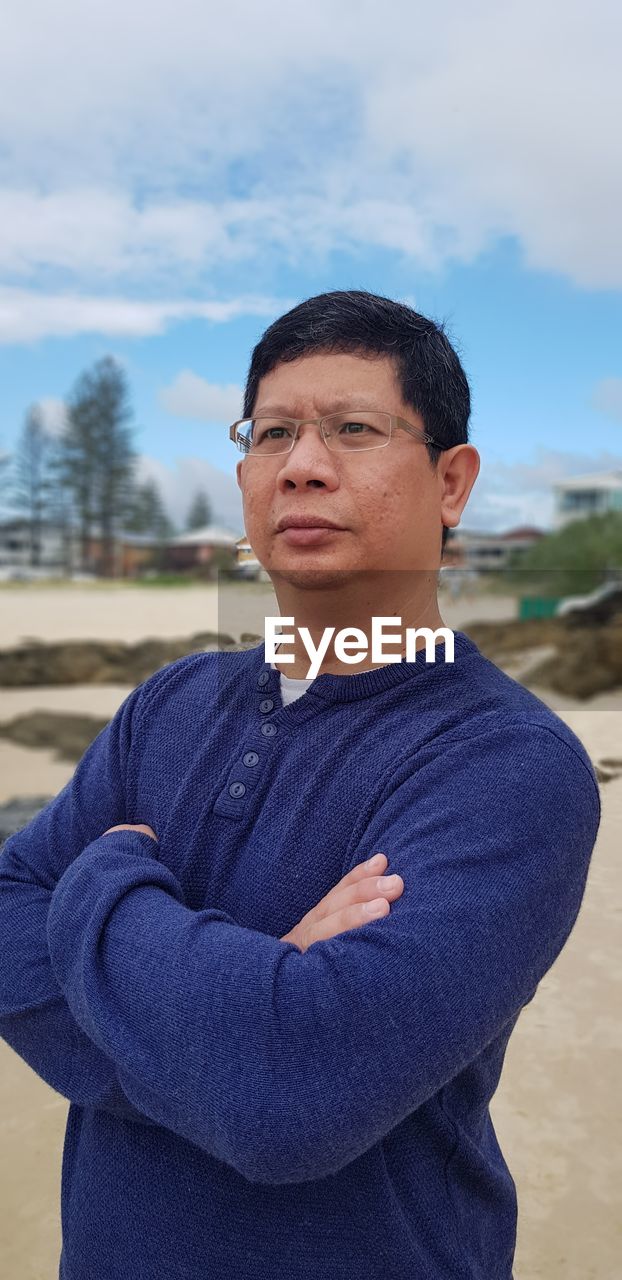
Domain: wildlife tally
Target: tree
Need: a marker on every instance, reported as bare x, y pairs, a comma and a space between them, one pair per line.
96, 460
147, 513
200, 513
5, 461
117, 462
574, 559
33, 482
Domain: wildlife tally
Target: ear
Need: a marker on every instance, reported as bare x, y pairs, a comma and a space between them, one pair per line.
460, 468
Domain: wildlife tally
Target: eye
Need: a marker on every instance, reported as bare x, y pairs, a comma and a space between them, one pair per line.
359, 427
269, 430
273, 433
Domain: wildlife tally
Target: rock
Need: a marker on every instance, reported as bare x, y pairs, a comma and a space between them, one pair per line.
581, 661
67, 734
17, 813
99, 662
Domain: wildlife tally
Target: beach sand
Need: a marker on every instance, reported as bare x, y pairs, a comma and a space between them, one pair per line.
556, 1110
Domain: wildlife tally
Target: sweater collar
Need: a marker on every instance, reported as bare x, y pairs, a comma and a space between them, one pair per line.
333, 688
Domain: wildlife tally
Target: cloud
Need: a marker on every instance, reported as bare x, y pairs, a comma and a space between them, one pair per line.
53, 414
191, 396
26, 315
267, 133
607, 397
95, 235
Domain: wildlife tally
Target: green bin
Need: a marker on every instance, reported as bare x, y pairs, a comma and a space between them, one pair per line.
537, 607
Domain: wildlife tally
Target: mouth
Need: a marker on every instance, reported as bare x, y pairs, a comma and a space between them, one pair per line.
308, 535
305, 522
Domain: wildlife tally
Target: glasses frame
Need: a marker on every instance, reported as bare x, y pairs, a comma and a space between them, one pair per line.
421, 436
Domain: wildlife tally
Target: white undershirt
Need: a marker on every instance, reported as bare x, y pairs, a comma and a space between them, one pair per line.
290, 688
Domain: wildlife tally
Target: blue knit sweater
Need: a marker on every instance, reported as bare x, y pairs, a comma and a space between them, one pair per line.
241, 1110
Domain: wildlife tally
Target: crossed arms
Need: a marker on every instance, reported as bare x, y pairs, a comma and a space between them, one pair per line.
285, 1065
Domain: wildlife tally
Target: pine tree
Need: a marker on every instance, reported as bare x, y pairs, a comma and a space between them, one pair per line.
200, 513
96, 460
147, 513
33, 481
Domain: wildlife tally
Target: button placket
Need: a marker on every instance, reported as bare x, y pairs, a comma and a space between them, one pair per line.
236, 794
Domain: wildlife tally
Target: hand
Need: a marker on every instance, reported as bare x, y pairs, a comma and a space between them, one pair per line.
128, 826
344, 907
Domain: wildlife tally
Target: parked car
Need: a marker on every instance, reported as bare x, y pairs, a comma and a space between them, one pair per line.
598, 606
249, 571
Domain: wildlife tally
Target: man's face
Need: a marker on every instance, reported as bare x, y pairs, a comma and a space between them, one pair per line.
387, 501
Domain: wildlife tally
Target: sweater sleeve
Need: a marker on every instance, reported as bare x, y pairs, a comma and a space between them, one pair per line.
289, 1065
35, 1019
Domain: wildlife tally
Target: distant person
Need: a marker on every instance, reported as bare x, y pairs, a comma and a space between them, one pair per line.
267, 1083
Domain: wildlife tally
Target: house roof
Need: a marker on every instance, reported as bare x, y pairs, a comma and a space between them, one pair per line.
524, 533
210, 535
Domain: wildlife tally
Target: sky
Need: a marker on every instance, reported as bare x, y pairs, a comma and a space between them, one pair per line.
175, 176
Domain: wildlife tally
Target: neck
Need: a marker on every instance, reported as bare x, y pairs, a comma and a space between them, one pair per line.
410, 598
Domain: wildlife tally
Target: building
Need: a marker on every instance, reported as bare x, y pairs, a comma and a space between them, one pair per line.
247, 564
207, 549
471, 549
594, 494
57, 555
61, 555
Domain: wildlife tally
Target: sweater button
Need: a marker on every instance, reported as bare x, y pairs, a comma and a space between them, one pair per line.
268, 730
251, 758
266, 705
263, 679
237, 789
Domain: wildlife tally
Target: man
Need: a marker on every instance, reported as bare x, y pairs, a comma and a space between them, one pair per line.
266, 1083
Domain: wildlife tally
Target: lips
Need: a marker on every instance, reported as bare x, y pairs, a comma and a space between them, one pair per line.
306, 522
309, 535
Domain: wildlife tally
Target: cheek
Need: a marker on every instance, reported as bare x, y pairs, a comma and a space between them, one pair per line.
254, 502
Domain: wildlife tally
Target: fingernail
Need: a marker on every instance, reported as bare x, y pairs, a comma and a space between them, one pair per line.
375, 908
387, 882
376, 860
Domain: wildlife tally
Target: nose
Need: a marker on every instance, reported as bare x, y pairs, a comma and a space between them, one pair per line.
309, 459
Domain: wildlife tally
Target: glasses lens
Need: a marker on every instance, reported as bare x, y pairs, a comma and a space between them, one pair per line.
347, 432
266, 435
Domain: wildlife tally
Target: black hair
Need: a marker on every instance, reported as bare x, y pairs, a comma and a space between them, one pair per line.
429, 373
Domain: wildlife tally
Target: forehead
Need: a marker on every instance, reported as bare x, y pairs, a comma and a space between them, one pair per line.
321, 382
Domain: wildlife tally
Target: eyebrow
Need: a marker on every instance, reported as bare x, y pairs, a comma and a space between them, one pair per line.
336, 407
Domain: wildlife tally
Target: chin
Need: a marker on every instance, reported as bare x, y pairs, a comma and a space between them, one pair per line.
312, 579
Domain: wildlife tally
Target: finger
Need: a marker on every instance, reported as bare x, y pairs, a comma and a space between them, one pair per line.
373, 866
352, 917
136, 826
348, 895
367, 891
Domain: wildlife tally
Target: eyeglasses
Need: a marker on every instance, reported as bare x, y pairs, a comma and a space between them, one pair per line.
354, 431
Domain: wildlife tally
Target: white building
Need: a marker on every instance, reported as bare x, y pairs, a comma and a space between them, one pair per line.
475, 549
59, 548
589, 495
